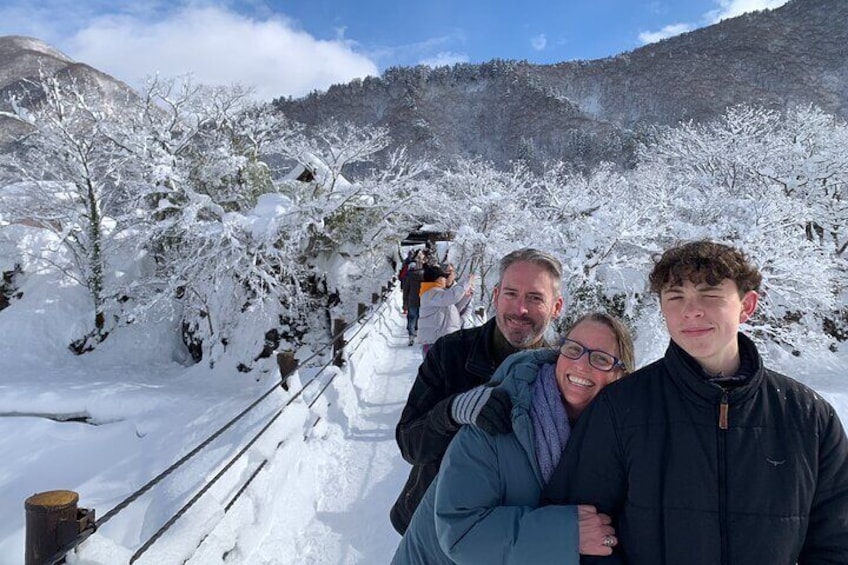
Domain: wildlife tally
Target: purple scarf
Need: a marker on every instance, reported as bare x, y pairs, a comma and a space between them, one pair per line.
550, 422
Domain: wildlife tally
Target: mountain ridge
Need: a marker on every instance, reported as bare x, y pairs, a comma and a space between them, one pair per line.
24, 59
590, 111
581, 112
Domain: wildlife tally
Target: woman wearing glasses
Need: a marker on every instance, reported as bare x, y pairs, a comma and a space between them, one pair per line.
483, 507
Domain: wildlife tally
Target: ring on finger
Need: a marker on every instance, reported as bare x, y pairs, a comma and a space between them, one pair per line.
608, 541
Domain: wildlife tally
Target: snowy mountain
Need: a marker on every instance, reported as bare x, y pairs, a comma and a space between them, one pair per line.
582, 112
202, 259
24, 59
586, 111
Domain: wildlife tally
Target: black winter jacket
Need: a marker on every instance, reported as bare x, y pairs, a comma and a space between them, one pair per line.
456, 363
410, 287
696, 474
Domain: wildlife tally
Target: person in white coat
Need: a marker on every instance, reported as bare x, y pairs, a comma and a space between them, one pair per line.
443, 302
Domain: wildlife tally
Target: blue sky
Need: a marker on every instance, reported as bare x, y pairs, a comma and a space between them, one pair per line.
289, 48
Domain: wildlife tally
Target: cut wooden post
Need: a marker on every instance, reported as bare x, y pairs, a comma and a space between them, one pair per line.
360, 310
52, 521
288, 365
375, 298
339, 327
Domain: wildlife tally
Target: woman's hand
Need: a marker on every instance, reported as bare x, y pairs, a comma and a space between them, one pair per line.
596, 535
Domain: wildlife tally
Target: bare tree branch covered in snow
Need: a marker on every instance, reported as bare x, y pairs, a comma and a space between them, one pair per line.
776, 186
357, 222
180, 198
488, 209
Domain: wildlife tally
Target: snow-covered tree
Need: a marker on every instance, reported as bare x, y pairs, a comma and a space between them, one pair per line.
222, 238
356, 221
771, 184
233, 242
74, 159
600, 229
488, 210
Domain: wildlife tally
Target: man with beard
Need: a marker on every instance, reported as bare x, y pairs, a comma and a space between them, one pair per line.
450, 389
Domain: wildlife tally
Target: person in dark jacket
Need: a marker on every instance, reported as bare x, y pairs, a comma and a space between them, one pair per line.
705, 456
410, 287
451, 378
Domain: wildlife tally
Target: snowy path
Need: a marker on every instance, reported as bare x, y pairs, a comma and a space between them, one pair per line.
362, 482
332, 508
322, 498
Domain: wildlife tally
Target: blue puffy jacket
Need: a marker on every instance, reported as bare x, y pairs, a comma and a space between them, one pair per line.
483, 506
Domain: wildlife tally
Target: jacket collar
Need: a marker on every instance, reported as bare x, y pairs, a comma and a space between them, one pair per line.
516, 376
688, 375
481, 361
425, 286
485, 355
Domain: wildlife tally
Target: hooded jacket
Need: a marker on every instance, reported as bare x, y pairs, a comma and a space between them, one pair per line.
484, 505
694, 473
440, 311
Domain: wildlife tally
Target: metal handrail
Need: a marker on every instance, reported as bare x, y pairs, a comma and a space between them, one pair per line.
71, 545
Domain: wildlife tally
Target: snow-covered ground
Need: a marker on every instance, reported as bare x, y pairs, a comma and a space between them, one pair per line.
332, 472
323, 496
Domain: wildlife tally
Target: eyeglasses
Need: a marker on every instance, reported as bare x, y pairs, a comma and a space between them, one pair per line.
600, 360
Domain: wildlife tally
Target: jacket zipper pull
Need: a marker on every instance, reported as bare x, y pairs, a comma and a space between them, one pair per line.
722, 412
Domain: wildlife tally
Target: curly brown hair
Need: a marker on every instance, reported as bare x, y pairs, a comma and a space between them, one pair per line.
704, 261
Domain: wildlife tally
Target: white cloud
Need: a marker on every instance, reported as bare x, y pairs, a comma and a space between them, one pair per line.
733, 8
726, 9
667, 31
214, 45
539, 42
434, 51
443, 59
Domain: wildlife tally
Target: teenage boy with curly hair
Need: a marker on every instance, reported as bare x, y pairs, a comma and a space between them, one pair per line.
705, 456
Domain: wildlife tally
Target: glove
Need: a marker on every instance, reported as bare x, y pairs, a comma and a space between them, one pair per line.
486, 407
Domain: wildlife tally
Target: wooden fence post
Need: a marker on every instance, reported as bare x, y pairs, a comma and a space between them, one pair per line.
339, 327
288, 365
52, 521
360, 310
375, 298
